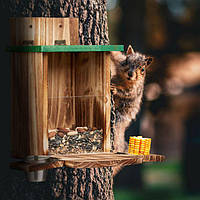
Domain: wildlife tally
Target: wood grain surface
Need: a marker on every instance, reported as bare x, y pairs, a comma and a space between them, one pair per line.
44, 31
91, 160
107, 102
27, 31
29, 99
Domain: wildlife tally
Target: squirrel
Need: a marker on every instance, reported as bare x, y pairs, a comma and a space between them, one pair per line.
128, 73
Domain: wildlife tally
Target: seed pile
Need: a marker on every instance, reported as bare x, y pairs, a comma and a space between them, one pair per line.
80, 140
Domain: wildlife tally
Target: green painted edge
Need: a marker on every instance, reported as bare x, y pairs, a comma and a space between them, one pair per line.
66, 48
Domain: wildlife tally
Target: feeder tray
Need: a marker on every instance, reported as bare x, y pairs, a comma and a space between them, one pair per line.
91, 160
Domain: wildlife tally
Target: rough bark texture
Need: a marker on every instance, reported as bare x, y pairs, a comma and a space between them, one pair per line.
94, 183
67, 183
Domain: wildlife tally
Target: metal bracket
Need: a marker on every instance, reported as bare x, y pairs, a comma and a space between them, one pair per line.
60, 42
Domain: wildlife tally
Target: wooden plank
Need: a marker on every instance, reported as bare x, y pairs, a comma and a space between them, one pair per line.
74, 31
102, 163
61, 102
37, 94
49, 40
153, 158
62, 31
65, 48
107, 103
57, 30
32, 113
28, 31
43, 141
29, 114
91, 160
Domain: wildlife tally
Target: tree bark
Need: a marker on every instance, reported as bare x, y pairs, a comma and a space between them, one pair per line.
68, 183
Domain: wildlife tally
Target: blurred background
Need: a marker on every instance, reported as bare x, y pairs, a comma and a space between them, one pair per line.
168, 30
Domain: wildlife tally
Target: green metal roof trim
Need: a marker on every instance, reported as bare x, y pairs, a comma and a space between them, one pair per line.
66, 48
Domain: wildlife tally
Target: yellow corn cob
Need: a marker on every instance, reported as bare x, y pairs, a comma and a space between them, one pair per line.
147, 146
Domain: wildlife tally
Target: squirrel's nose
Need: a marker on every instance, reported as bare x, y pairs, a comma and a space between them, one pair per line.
130, 74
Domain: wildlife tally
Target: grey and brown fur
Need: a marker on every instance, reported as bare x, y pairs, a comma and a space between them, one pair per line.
127, 84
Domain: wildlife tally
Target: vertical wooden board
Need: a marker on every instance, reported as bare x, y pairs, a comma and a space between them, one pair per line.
37, 114
74, 31
40, 34
28, 114
49, 38
44, 142
89, 84
59, 29
61, 100
37, 109
32, 105
107, 102
29, 31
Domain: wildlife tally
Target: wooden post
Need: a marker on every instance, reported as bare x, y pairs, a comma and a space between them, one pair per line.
29, 100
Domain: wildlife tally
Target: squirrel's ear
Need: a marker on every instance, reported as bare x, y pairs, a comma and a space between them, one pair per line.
129, 50
149, 60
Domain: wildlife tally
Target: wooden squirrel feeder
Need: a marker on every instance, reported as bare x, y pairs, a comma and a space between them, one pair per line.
58, 83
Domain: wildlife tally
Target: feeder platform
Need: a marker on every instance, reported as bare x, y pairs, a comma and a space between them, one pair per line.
89, 160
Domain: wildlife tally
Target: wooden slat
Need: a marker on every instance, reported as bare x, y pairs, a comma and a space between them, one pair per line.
29, 99
57, 29
91, 160
153, 158
74, 31
107, 103
27, 31
43, 141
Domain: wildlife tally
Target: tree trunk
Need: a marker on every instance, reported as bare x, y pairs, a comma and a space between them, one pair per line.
68, 183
